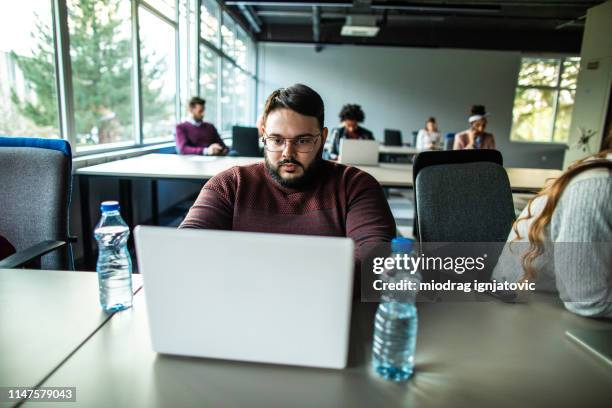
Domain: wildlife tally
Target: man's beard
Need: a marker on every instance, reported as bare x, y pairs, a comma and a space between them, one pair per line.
307, 177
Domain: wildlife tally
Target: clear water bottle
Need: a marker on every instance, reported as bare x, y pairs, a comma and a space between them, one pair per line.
114, 265
395, 324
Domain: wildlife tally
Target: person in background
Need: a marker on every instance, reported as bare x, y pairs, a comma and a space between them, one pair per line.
475, 137
350, 118
295, 191
429, 137
195, 136
566, 231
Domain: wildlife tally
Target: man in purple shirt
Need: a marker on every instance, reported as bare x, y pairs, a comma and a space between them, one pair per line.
196, 136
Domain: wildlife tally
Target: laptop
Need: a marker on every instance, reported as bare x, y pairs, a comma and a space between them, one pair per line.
268, 298
358, 152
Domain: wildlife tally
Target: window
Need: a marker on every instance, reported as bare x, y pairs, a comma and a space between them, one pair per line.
209, 78
544, 99
28, 98
210, 22
158, 76
107, 90
101, 57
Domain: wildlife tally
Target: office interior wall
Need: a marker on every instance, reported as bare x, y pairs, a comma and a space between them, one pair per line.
399, 88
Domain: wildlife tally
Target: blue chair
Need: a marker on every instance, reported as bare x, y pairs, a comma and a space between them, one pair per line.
36, 180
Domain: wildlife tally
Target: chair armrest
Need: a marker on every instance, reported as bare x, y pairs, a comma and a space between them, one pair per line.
20, 258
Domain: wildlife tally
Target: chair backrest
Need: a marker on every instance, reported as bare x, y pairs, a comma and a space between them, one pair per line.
449, 141
462, 196
245, 141
36, 180
393, 137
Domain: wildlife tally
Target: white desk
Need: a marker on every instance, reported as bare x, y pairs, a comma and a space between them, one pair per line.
398, 150
201, 168
469, 354
45, 316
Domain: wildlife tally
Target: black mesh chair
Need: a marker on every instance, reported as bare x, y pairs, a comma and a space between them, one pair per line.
393, 137
245, 141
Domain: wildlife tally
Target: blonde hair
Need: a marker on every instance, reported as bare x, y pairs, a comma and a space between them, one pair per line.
553, 193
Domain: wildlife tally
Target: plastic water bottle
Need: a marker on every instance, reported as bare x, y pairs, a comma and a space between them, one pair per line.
114, 265
395, 324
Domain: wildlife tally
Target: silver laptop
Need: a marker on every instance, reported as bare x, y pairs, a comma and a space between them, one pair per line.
358, 152
271, 298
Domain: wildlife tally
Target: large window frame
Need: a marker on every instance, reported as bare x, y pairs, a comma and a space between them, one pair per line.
184, 54
557, 89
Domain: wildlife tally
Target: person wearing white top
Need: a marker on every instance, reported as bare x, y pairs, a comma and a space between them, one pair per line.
570, 222
428, 138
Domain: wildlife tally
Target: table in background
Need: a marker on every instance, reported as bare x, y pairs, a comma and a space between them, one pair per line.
154, 167
468, 354
45, 316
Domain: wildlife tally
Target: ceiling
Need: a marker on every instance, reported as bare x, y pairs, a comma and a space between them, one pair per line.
523, 25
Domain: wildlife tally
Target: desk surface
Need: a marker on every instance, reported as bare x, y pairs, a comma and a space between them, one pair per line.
468, 354
171, 166
44, 316
407, 150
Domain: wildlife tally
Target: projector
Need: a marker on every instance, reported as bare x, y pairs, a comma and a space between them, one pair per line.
360, 26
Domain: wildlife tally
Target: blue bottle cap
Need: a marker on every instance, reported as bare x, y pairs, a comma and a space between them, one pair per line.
401, 245
109, 206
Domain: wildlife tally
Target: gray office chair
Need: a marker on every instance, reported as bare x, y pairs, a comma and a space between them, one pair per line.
36, 180
462, 196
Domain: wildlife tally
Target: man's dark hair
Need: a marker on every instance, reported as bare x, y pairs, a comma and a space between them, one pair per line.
352, 112
299, 98
478, 110
196, 100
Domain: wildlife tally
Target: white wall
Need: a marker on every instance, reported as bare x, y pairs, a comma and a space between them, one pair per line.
594, 82
399, 88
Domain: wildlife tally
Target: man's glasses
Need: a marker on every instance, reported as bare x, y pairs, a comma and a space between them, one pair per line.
302, 144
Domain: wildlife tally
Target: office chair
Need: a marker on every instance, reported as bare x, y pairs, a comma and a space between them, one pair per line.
393, 137
36, 180
463, 196
245, 141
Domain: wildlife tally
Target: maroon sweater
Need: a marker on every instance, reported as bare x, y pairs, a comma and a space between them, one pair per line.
343, 202
192, 139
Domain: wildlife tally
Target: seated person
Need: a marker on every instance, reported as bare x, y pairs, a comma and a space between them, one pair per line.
350, 117
475, 137
196, 136
295, 191
573, 210
429, 137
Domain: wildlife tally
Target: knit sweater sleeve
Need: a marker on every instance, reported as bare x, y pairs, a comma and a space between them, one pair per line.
214, 207
581, 229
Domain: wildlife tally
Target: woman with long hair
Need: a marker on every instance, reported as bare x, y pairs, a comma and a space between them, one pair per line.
562, 240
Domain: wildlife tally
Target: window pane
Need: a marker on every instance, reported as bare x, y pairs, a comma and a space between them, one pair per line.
158, 66
28, 98
210, 21
240, 51
539, 72
166, 7
208, 83
565, 106
100, 51
532, 116
569, 76
227, 31
227, 97
241, 98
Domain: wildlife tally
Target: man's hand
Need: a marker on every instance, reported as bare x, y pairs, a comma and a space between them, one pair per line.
214, 149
